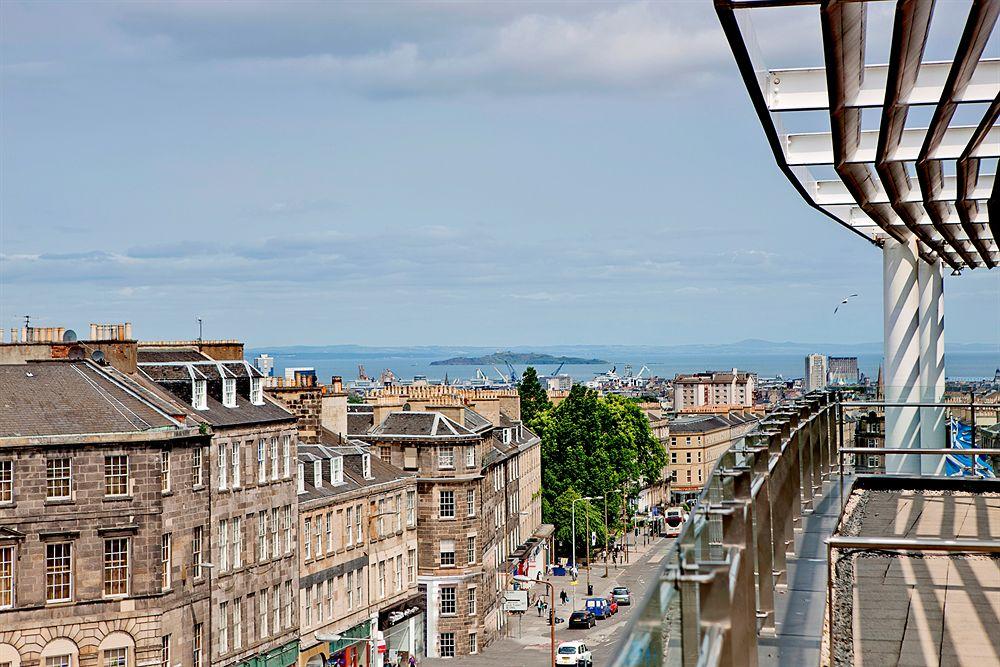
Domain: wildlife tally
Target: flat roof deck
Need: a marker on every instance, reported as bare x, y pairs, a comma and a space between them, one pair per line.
917, 608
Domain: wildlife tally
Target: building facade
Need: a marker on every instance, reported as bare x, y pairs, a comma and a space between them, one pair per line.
843, 371
713, 390
815, 373
696, 442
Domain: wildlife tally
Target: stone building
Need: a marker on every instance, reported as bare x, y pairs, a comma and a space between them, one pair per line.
102, 485
479, 513
713, 390
696, 442
357, 557
250, 536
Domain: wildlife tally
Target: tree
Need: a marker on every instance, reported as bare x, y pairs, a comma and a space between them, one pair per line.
534, 400
561, 515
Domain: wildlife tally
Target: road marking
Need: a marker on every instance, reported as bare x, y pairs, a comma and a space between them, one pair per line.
657, 558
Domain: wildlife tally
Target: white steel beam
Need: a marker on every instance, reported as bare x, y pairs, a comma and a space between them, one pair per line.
817, 147
805, 89
827, 193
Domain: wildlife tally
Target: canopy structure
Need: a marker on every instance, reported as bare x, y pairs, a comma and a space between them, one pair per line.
933, 185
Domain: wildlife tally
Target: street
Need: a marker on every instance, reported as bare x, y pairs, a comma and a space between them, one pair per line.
528, 636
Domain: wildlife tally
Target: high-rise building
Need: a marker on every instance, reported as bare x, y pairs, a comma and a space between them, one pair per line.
815, 377
265, 364
842, 370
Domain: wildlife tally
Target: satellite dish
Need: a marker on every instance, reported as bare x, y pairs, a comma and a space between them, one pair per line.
76, 353
97, 356
69, 336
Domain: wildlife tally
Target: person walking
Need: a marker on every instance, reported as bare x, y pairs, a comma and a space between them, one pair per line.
538, 605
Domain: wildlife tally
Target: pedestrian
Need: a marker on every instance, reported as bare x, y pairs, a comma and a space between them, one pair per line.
538, 605
562, 597
413, 661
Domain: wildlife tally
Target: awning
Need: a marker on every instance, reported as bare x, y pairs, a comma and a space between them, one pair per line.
544, 531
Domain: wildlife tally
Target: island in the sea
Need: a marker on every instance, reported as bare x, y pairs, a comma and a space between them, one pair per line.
516, 358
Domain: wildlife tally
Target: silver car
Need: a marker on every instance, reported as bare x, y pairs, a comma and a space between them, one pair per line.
622, 595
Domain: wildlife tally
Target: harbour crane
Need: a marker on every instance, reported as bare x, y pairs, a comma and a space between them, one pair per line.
502, 377
556, 371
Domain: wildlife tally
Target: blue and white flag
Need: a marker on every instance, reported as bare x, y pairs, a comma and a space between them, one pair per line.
960, 465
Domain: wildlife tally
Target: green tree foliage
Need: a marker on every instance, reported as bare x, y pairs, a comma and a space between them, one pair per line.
561, 516
534, 400
592, 446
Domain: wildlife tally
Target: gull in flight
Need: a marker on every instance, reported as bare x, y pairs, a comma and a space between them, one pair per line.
843, 301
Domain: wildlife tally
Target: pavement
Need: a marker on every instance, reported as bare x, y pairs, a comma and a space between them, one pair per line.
528, 635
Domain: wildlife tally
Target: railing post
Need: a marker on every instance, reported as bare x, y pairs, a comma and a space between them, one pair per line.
690, 609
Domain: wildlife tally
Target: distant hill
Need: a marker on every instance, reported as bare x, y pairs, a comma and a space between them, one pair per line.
516, 358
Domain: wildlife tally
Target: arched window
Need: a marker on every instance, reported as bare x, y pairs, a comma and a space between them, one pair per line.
60, 652
9, 656
117, 650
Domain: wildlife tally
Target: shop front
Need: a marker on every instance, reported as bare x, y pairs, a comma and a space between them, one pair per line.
283, 656
351, 650
402, 629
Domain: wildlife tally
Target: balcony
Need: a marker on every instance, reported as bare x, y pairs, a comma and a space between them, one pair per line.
911, 556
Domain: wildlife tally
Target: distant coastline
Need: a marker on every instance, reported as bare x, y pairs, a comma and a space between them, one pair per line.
517, 358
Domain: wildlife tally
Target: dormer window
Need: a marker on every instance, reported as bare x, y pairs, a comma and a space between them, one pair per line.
337, 470
506, 436
199, 395
318, 474
229, 392
256, 391
366, 465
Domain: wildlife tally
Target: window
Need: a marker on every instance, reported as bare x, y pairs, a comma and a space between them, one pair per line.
229, 392
357, 588
411, 508
673, 457
288, 529
6, 481
274, 459
446, 457
238, 623
318, 535
337, 470
276, 608
262, 612
688, 457
470, 502
397, 507
223, 470
261, 466
307, 592
288, 604
116, 475
473, 644
349, 526
447, 551
275, 544
262, 535
197, 544
329, 584
470, 457
116, 657
318, 600
446, 504
116, 566
223, 545
329, 532
366, 465
409, 458
199, 395
398, 571
381, 579
385, 453
349, 583
165, 471
58, 479
307, 542
197, 471
224, 627
6, 577
58, 572
256, 391
380, 521
196, 642
357, 524
472, 600
165, 651
58, 661
165, 549
411, 565
237, 542
236, 465
470, 549
286, 456
449, 605
446, 642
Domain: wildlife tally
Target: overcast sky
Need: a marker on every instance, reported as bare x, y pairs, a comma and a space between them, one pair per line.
439, 173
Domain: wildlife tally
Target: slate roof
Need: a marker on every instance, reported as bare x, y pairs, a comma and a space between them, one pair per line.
427, 424
352, 452
705, 423
66, 398
359, 422
159, 355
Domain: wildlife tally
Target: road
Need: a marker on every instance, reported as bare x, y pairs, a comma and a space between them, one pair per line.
529, 635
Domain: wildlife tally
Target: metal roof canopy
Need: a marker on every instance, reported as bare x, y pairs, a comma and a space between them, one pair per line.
891, 182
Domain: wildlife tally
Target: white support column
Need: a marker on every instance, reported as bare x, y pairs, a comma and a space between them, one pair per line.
900, 303
932, 420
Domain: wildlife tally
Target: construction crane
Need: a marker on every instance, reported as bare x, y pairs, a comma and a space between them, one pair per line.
361, 373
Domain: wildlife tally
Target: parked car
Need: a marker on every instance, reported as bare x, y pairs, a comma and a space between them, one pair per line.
673, 519
612, 605
582, 619
574, 653
599, 606
622, 595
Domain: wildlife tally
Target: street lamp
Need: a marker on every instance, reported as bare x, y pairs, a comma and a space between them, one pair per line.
552, 609
572, 508
589, 545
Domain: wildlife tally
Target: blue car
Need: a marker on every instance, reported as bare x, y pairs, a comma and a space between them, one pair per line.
599, 607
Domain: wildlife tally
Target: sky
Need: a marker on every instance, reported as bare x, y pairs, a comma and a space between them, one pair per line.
418, 173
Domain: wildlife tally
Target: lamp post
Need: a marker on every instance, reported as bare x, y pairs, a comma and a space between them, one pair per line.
552, 610
572, 510
588, 543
